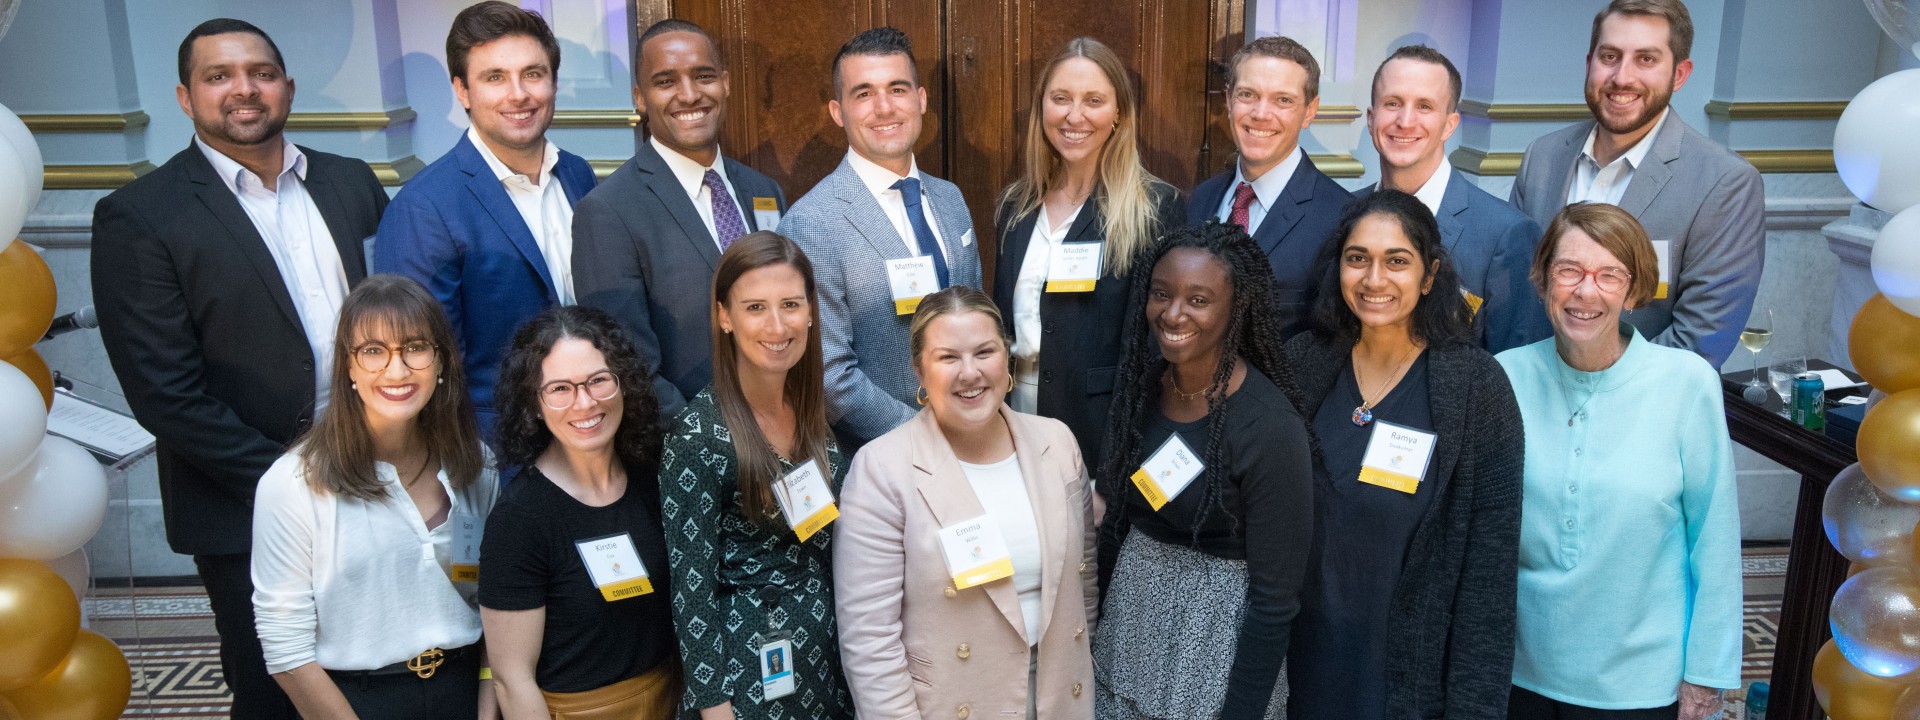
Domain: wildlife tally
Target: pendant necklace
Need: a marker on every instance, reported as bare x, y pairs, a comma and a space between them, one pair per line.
1363, 413
1578, 410
1167, 379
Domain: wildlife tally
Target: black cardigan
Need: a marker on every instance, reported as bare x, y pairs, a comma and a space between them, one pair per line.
1453, 608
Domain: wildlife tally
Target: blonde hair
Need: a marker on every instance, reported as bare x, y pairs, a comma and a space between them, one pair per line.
1129, 219
952, 300
1614, 230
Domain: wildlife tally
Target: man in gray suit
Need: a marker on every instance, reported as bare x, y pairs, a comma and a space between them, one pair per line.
881, 234
646, 241
1701, 203
1416, 98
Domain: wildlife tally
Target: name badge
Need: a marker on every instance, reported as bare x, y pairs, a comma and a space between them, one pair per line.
1662, 250
1396, 457
1473, 302
806, 500
776, 666
766, 214
911, 279
615, 567
1074, 267
1167, 471
976, 553
466, 548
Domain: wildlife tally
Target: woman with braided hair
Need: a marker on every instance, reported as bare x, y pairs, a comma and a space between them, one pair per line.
1209, 487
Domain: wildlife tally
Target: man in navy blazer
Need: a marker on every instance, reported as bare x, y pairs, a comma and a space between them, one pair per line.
488, 227
1416, 96
1274, 191
647, 241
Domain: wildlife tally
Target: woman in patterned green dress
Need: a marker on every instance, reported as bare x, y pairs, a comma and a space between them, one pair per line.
748, 470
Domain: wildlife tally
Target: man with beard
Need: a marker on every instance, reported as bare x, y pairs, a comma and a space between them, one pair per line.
647, 240
1700, 202
219, 278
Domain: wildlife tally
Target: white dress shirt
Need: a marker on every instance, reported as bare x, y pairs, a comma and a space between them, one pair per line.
879, 181
1027, 291
302, 247
1002, 490
693, 178
544, 206
1266, 190
358, 585
1434, 190
1592, 183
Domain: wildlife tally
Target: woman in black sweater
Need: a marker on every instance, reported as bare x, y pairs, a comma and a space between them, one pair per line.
1408, 606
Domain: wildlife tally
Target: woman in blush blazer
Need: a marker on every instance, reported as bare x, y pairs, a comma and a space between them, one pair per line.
921, 639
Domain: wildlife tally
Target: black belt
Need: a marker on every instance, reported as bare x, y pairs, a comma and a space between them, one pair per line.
423, 665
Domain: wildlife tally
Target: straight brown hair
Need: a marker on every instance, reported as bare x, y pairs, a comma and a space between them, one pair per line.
757, 463
1679, 23
338, 451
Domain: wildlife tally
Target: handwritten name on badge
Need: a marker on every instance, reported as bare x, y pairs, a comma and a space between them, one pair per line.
911, 279
976, 552
805, 500
615, 566
766, 214
1073, 267
466, 548
1167, 472
1396, 457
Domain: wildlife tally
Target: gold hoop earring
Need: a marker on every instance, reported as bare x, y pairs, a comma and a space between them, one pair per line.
1009, 383
920, 395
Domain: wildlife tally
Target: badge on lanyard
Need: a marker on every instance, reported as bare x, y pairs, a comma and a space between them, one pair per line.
911, 279
1167, 471
805, 500
615, 566
976, 552
1662, 255
466, 548
1073, 267
776, 665
1396, 457
766, 214
1473, 301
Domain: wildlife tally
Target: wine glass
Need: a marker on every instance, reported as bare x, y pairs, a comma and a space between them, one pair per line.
1755, 338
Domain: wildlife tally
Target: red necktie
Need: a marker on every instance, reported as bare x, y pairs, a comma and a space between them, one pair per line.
1242, 205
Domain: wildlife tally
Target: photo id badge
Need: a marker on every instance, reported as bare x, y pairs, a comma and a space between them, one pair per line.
976, 552
615, 567
766, 214
466, 548
776, 665
1167, 472
911, 279
1663, 256
1074, 267
805, 500
1396, 457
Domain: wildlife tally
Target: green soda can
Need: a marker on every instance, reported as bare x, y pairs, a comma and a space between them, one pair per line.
1809, 402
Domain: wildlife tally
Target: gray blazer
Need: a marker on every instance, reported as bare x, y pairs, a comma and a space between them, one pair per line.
641, 253
870, 381
1704, 199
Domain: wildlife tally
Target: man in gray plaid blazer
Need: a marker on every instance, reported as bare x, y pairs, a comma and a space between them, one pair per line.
875, 223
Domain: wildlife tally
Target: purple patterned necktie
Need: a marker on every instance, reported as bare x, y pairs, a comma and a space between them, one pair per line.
727, 226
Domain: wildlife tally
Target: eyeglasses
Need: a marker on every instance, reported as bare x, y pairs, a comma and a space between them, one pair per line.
561, 394
375, 357
1608, 279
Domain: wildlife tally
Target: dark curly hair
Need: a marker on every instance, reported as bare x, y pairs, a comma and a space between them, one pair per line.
1253, 334
522, 428
1440, 319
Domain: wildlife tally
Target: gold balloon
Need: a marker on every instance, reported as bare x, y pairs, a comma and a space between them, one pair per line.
1856, 568
26, 297
1889, 444
1884, 343
30, 362
94, 682
8, 711
1846, 692
38, 618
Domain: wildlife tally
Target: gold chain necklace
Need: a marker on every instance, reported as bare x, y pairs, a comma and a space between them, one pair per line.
1167, 379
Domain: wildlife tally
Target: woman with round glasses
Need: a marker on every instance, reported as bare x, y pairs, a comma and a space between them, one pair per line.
1629, 590
573, 587
365, 534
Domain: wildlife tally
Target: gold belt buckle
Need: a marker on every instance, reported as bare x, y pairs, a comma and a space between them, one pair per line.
427, 662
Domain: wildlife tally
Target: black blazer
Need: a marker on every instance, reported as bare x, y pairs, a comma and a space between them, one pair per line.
1453, 607
204, 336
1305, 215
1081, 350
641, 253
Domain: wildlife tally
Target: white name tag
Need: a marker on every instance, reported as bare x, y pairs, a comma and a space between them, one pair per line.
766, 214
806, 500
776, 667
1074, 267
466, 547
1167, 471
1662, 253
911, 279
1396, 457
615, 567
976, 552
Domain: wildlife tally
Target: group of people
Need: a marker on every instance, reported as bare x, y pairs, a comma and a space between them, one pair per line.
522, 444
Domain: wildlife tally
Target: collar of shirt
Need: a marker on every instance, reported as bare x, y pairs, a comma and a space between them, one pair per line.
505, 174
879, 180
692, 175
239, 179
1634, 155
1434, 189
1268, 188
1631, 362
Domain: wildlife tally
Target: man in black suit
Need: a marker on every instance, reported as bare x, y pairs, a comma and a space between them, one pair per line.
646, 241
1274, 190
219, 278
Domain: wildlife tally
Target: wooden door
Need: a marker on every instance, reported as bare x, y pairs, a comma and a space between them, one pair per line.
979, 60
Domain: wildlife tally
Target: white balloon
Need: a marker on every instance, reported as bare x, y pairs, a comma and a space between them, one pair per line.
1874, 146
23, 420
1896, 260
22, 173
57, 507
74, 568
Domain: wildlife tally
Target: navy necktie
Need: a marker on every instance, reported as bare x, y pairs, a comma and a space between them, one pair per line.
910, 192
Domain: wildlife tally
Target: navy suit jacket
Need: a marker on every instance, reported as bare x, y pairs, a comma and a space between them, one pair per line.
1306, 214
454, 229
1491, 245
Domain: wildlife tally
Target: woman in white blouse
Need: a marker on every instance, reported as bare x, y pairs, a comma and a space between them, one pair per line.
366, 534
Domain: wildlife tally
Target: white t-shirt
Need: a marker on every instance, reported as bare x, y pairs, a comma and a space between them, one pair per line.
1002, 491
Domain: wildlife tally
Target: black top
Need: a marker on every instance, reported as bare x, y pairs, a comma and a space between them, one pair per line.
1264, 516
1361, 534
528, 560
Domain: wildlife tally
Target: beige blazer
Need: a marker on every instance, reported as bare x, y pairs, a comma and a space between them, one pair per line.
912, 645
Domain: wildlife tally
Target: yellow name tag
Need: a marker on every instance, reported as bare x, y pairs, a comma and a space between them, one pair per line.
615, 567
1473, 302
911, 279
805, 500
1073, 267
1167, 472
466, 548
1662, 253
976, 553
766, 214
1396, 457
